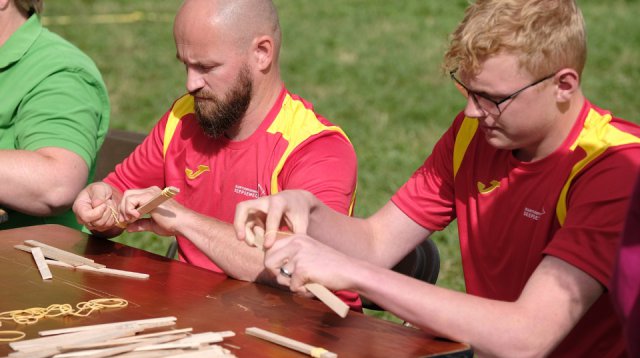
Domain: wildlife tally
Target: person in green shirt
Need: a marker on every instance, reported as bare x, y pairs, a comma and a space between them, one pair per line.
54, 115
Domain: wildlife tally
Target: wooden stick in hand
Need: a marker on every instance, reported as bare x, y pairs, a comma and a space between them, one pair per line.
255, 235
166, 194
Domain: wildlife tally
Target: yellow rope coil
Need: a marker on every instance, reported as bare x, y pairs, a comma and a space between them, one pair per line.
114, 215
6, 336
33, 315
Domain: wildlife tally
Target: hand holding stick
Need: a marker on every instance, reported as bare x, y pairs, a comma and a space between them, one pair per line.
255, 236
166, 194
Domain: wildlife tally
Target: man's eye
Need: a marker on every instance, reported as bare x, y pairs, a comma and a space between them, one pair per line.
489, 97
207, 68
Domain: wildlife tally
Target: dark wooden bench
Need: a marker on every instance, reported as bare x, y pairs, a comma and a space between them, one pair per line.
117, 145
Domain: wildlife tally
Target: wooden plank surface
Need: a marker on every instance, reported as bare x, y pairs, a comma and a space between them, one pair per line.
198, 298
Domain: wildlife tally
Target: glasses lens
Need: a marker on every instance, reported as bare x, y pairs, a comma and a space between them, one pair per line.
486, 105
482, 103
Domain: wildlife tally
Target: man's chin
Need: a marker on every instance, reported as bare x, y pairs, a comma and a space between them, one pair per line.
499, 141
211, 133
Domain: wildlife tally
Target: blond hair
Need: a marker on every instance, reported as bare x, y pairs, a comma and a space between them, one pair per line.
546, 35
29, 6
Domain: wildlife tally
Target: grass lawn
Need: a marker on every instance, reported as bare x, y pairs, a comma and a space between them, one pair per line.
371, 66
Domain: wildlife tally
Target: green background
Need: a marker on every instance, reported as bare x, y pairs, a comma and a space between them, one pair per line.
370, 66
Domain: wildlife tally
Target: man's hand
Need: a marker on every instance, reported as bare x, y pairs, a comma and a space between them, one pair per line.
164, 219
96, 208
306, 260
290, 207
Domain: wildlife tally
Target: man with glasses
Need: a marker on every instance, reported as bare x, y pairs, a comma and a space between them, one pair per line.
527, 169
484, 101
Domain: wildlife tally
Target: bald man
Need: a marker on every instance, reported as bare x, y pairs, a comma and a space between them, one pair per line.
238, 134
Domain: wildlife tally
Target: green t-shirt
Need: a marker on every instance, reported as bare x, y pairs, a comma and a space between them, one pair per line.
51, 95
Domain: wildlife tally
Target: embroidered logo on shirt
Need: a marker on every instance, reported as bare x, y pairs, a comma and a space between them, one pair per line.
532, 214
261, 190
243, 190
192, 175
482, 189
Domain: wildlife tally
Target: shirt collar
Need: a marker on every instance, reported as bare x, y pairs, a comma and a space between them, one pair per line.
20, 41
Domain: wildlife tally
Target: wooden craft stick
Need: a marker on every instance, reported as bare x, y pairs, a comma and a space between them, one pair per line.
170, 342
166, 194
50, 255
328, 298
36, 252
171, 345
192, 341
123, 341
108, 352
105, 270
144, 323
208, 337
255, 234
48, 346
213, 351
315, 352
61, 255
55, 249
126, 340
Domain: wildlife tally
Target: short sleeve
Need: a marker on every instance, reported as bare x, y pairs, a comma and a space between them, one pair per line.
145, 166
596, 209
64, 110
428, 197
326, 166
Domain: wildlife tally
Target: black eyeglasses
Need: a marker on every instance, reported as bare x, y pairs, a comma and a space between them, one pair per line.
487, 104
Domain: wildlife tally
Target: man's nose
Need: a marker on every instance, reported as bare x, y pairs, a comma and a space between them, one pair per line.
472, 109
195, 82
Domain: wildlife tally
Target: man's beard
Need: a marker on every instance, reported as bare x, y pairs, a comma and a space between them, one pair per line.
216, 116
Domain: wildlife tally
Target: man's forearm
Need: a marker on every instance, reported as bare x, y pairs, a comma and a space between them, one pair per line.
340, 231
43, 182
553, 301
366, 238
217, 240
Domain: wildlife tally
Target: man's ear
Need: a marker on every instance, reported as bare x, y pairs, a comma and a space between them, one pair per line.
568, 83
263, 52
4, 4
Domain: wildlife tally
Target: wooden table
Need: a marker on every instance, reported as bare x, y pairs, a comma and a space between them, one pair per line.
200, 299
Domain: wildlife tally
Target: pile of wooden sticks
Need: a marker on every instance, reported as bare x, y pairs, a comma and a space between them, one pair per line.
58, 257
141, 338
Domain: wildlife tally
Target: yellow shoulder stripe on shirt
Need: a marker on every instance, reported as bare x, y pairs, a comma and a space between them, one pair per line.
463, 138
596, 137
183, 106
305, 125
297, 123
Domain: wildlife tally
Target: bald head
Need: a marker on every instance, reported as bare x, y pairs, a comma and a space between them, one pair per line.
230, 51
240, 20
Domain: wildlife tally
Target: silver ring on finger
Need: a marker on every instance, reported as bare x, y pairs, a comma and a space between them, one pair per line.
284, 272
